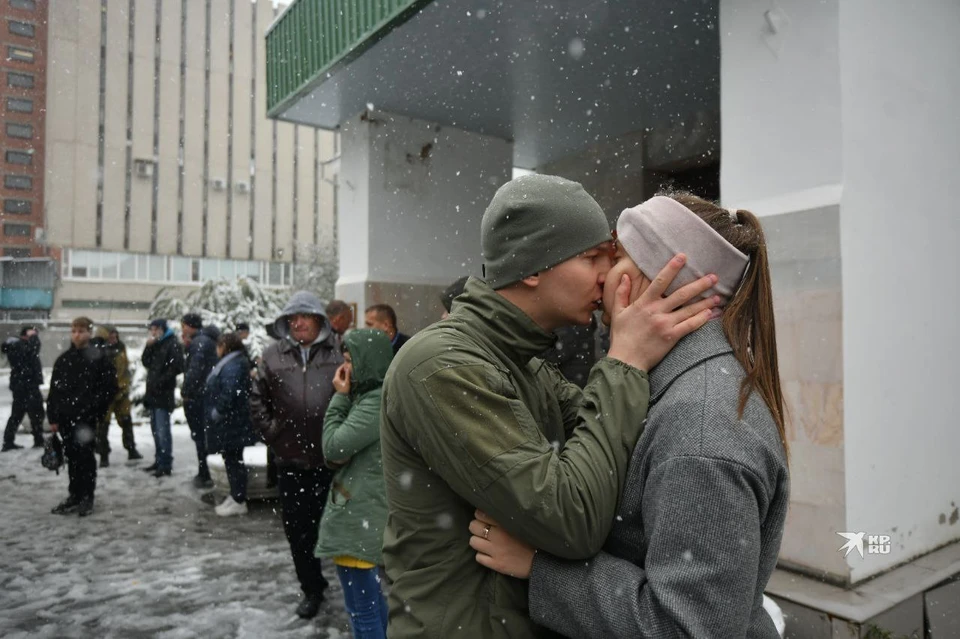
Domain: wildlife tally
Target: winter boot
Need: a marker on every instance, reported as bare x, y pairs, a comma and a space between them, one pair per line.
202, 483
133, 454
10, 446
85, 508
104, 461
69, 505
310, 606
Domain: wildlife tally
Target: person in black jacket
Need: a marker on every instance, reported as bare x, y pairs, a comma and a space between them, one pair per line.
26, 377
163, 359
228, 425
201, 357
81, 388
382, 317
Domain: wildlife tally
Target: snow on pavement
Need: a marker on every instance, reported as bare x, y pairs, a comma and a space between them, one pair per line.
152, 561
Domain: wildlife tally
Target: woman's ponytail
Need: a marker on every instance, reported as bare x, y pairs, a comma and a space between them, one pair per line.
748, 320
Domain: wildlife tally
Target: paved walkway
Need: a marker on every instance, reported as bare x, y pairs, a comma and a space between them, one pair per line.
152, 561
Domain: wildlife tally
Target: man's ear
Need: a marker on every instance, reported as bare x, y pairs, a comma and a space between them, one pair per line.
532, 281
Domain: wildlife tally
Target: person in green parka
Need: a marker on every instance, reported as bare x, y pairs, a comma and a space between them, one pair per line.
351, 530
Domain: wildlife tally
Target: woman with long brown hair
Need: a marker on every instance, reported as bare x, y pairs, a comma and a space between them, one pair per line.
700, 521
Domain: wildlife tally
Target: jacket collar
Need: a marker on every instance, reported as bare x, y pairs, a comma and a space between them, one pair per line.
287, 345
504, 326
226, 359
705, 343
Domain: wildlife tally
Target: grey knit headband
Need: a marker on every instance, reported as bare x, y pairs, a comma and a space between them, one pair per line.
661, 227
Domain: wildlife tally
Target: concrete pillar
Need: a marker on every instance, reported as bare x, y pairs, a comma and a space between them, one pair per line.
836, 122
410, 198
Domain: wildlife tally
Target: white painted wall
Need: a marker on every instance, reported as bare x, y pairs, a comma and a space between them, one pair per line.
426, 211
781, 159
426, 190
899, 233
789, 84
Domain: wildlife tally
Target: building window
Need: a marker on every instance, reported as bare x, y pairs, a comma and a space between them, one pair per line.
26, 5
9, 251
19, 80
19, 157
11, 229
15, 130
20, 105
138, 267
19, 182
24, 29
19, 53
18, 207
181, 269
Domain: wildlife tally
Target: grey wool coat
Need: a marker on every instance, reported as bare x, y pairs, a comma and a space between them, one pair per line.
700, 522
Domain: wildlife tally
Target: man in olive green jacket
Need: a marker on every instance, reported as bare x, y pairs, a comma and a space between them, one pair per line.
472, 419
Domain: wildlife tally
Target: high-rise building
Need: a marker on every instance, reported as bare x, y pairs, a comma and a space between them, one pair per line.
23, 39
138, 153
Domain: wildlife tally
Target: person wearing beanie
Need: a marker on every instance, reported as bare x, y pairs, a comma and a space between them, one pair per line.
163, 359
200, 356
289, 399
473, 419
81, 386
707, 490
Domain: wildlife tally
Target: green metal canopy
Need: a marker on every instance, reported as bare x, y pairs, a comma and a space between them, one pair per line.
554, 76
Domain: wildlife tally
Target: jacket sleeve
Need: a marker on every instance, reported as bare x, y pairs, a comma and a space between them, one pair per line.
106, 385
123, 372
172, 367
349, 428
234, 390
54, 407
193, 363
149, 351
569, 394
261, 405
472, 429
699, 579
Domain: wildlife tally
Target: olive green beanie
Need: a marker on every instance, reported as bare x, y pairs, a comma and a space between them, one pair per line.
535, 222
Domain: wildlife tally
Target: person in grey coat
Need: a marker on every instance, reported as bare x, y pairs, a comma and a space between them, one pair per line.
701, 518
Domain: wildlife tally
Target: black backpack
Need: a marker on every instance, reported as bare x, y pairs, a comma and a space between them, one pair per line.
52, 458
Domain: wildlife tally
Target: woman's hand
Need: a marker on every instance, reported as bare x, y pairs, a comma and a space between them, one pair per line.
498, 550
341, 379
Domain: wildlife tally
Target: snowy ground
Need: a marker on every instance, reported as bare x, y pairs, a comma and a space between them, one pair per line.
152, 561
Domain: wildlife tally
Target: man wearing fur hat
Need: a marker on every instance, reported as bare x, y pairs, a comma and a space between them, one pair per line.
289, 400
472, 419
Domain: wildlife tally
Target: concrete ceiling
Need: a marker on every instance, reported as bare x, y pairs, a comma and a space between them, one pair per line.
555, 76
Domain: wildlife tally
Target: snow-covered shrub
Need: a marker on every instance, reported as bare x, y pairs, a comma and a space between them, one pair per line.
220, 302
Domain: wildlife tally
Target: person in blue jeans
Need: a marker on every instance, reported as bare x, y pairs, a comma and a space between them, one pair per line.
351, 530
163, 359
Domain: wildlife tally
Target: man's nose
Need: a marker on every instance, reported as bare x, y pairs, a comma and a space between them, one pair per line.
604, 265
